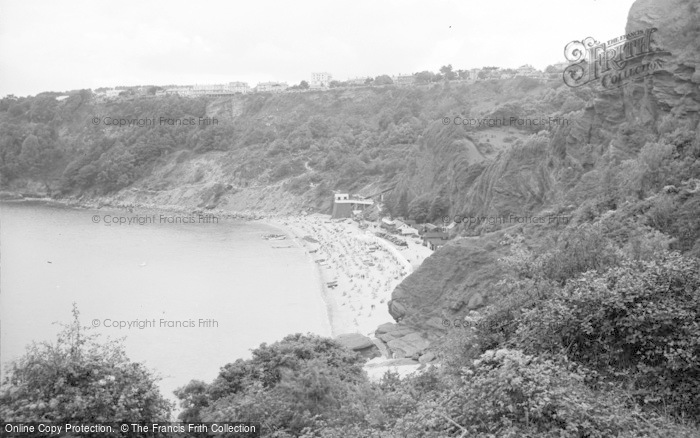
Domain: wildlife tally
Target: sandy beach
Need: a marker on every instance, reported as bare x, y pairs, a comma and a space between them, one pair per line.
358, 270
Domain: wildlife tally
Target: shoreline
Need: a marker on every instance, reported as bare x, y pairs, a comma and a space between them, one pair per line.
356, 270
320, 278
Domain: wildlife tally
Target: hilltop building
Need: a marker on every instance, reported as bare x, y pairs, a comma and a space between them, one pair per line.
320, 80
528, 70
345, 206
180, 91
239, 87
359, 80
271, 87
220, 89
403, 80
473, 74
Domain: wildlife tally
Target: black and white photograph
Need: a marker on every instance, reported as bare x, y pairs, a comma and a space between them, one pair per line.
340, 219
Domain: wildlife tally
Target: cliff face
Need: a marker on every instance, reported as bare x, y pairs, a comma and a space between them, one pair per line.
524, 180
562, 169
677, 88
448, 284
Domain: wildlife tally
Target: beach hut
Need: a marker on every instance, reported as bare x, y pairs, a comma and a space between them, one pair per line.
434, 239
388, 224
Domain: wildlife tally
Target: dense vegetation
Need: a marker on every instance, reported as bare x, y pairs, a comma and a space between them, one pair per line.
80, 380
361, 139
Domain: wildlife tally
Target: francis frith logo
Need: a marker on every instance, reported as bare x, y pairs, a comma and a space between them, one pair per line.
613, 63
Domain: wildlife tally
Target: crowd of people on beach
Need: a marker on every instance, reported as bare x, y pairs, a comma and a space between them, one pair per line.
361, 270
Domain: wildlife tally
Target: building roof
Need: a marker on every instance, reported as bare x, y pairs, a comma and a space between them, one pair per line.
435, 235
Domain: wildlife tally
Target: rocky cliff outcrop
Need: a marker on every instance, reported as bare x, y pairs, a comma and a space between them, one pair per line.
450, 283
564, 168
676, 88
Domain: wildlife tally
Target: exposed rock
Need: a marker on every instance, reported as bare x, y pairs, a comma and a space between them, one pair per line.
455, 273
476, 301
355, 341
408, 346
382, 347
563, 167
678, 34
396, 309
516, 182
360, 344
390, 331
435, 323
377, 368
7, 196
391, 362
403, 341
427, 357
458, 305
385, 328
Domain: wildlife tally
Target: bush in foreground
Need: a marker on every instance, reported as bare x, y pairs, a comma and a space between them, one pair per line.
78, 379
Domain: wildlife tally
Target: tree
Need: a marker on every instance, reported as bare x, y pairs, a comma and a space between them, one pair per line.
6, 101
86, 176
304, 85
299, 382
439, 208
383, 80
37, 155
424, 77
402, 207
419, 208
193, 398
117, 168
447, 72
78, 379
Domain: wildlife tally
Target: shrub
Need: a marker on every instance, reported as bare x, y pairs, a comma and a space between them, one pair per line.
579, 250
80, 380
510, 394
298, 383
638, 322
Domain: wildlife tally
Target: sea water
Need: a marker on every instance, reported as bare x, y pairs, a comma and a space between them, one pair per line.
190, 293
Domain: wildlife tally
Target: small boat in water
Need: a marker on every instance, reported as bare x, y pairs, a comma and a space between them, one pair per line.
274, 237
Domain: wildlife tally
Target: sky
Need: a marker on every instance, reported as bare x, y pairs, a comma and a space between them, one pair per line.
48, 45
